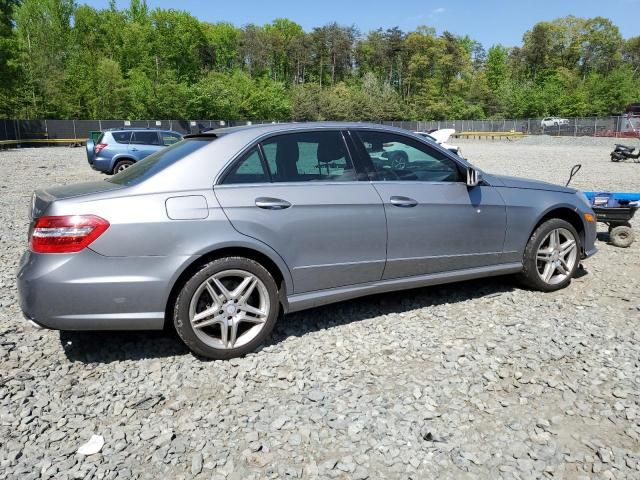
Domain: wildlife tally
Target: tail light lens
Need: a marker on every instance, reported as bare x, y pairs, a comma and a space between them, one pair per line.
66, 234
100, 146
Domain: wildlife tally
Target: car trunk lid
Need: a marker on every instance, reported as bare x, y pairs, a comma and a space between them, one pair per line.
43, 198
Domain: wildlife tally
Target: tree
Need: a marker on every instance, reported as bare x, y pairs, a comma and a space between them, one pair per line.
44, 33
63, 60
9, 59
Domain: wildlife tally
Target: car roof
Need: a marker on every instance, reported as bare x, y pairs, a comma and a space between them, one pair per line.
140, 129
259, 130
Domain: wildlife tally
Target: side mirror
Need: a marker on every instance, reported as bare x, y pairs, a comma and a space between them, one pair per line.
474, 177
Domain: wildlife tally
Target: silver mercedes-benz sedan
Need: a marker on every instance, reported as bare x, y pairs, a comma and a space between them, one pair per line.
222, 231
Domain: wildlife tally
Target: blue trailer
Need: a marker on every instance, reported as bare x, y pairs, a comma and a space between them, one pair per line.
616, 209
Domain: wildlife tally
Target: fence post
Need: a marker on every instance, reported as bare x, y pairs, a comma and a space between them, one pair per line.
100, 125
595, 125
75, 134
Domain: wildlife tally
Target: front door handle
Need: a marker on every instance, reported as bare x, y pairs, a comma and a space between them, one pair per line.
403, 201
134, 149
272, 203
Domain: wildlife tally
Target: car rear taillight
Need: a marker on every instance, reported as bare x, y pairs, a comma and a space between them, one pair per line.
66, 234
100, 146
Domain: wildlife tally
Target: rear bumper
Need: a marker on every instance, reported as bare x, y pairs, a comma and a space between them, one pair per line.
88, 291
101, 164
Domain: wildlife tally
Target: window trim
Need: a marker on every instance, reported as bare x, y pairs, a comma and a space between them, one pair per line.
372, 176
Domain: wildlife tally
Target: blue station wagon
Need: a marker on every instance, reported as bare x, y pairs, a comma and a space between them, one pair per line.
116, 150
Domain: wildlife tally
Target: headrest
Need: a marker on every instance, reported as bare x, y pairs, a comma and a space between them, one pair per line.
330, 149
287, 151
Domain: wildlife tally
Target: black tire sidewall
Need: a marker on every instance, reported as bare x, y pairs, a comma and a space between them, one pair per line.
181, 307
529, 275
121, 162
614, 235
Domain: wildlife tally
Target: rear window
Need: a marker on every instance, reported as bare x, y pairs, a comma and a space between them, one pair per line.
154, 163
121, 137
169, 138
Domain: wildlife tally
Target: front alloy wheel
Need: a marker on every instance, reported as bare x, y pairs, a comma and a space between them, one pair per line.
227, 308
557, 255
551, 257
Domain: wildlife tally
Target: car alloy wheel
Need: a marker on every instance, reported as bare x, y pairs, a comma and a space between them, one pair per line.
122, 166
229, 309
556, 256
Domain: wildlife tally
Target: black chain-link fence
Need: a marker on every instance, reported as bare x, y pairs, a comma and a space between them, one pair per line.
69, 131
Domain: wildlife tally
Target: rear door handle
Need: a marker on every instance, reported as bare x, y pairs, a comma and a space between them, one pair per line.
272, 203
403, 201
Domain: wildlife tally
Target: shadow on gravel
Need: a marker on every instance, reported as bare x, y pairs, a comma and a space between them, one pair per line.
299, 323
107, 347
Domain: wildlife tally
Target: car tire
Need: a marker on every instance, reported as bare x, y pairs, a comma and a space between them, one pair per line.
621, 236
229, 326
122, 165
550, 261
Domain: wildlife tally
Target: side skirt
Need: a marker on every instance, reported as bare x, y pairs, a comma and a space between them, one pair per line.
303, 301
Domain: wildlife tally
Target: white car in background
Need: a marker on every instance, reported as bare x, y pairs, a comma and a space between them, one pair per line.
554, 122
441, 137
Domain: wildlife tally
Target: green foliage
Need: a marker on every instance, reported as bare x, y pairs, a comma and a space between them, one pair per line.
59, 59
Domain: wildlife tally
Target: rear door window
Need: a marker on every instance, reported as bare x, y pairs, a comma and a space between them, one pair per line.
308, 157
145, 138
248, 170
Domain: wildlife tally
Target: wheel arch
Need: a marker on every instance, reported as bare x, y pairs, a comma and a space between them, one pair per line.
568, 214
120, 158
278, 271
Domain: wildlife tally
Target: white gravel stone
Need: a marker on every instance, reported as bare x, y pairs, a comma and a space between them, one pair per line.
93, 446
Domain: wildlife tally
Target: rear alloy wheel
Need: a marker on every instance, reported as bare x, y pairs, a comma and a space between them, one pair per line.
227, 308
122, 165
552, 256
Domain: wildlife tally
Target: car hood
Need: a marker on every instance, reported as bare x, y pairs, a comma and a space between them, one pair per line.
525, 183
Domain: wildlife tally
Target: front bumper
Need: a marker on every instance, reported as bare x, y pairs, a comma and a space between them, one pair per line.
88, 291
590, 235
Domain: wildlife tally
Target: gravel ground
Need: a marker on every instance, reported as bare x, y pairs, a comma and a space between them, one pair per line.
474, 380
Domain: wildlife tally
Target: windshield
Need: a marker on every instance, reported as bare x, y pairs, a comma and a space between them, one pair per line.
147, 168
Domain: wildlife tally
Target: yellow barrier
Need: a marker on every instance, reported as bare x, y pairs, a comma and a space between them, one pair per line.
43, 140
492, 135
